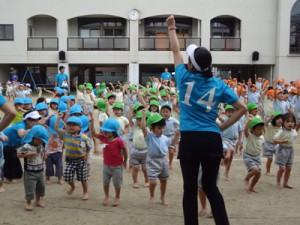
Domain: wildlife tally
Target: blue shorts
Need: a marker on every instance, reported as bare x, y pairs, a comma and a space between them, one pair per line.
251, 161
284, 156
157, 168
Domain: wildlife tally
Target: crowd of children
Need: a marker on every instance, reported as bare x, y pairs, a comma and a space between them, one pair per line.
139, 125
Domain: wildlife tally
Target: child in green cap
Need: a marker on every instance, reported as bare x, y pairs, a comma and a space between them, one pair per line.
253, 141
158, 147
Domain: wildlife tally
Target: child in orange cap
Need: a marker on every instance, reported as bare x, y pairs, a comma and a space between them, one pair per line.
268, 99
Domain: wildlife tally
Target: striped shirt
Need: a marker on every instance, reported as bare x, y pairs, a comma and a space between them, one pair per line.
76, 146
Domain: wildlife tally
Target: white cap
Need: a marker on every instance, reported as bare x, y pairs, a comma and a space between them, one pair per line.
48, 100
8, 82
32, 115
28, 85
190, 51
98, 84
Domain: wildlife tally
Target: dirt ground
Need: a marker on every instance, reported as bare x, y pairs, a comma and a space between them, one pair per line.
268, 207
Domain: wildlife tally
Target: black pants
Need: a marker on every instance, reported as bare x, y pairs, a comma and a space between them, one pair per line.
203, 148
12, 165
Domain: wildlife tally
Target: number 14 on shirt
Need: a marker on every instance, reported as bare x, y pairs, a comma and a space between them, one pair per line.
208, 103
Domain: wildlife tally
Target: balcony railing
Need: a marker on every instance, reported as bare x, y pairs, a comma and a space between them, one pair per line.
163, 43
98, 43
42, 43
225, 44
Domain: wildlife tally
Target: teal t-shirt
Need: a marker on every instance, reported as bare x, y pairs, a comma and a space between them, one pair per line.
199, 99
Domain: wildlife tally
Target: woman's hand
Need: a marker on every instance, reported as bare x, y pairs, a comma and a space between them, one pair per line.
170, 21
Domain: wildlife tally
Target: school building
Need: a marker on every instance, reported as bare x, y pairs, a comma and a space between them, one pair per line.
121, 40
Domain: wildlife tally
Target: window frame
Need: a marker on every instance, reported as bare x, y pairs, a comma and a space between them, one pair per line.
111, 24
5, 35
294, 31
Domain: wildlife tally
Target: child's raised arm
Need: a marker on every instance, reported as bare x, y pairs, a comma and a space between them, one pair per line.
56, 127
112, 86
246, 130
143, 123
94, 134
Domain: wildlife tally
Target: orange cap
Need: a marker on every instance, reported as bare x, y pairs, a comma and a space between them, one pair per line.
278, 91
241, 89
293, 90
253, 85
232, 83
286, 84
270, 92
280, 80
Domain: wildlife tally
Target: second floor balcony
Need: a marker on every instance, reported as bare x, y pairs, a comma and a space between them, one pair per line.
104, 43
225, 44
42, 43
163, 43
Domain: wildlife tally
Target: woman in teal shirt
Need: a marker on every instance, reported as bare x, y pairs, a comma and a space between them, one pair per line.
200, 95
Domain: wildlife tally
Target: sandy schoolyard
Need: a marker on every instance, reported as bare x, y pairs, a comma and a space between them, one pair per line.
268, 207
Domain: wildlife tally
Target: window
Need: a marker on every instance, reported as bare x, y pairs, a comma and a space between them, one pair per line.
295, 29
225, 27
6, 32
97, 27
158, 27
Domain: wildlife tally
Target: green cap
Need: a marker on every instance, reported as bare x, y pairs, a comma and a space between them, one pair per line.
139, 114
163, 93
89, 87
153, 102
137, 106
80, 86
153, 96
101, 104
132, 87
251, 106
255, 121
110, 95
149, 83
154, 119
118, 105
153, 90
276, 113
89, 84
229, 107
99, 91
103, 85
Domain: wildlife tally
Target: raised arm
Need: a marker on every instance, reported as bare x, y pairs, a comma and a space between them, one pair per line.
56, 127
9, 114
112, 86
174, 41
246, 129
143, 123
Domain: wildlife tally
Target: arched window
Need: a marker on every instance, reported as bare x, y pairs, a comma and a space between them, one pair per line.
295, 29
